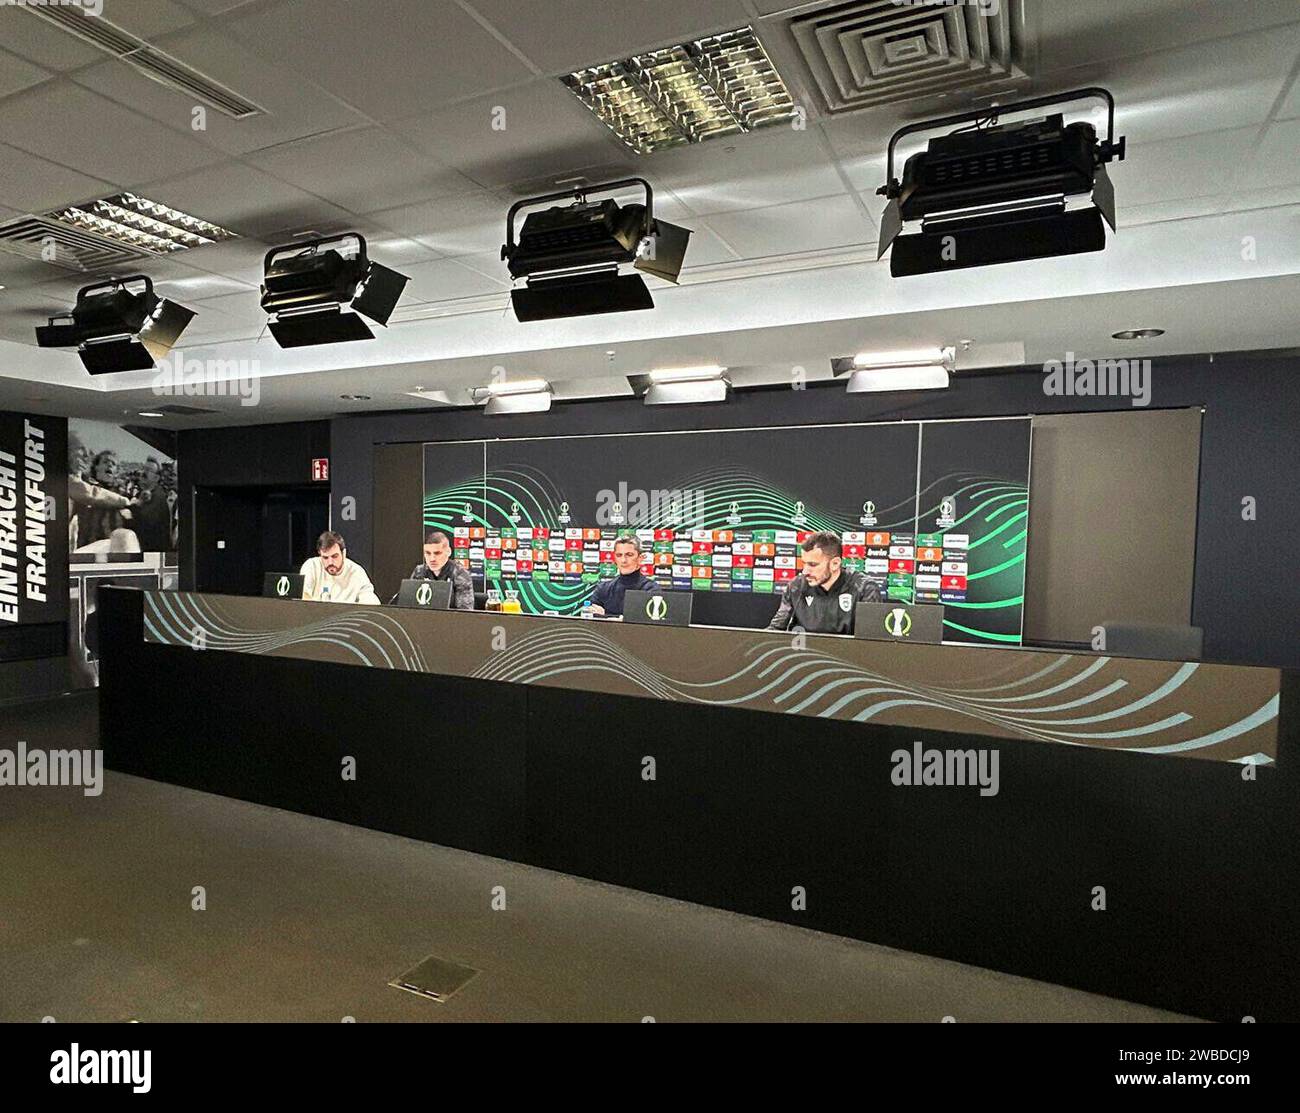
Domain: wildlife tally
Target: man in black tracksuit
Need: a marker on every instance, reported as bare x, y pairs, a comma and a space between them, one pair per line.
824, 597
607, 599
438, 565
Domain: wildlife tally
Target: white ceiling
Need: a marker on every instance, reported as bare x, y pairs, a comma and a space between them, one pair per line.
379, 119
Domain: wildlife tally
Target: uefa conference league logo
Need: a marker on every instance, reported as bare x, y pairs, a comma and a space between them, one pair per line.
423, 594
898, 623
656, 608
282, 587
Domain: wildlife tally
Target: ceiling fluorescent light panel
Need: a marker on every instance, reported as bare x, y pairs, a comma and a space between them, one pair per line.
720, 85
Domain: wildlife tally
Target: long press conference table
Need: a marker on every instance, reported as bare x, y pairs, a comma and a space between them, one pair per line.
740, 769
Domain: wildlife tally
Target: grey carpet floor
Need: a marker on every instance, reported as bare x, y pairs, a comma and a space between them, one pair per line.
308, 920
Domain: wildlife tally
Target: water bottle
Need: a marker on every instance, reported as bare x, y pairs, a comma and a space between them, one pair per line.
586, 611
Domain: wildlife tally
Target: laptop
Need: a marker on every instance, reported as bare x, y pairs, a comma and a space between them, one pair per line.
428, 595
899, 622
650, 608
283, 585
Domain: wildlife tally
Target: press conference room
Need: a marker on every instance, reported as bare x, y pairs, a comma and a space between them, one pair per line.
621, 511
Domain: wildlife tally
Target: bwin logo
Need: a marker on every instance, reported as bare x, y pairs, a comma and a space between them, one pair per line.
423, 594
282, 586
656, 608
898, 623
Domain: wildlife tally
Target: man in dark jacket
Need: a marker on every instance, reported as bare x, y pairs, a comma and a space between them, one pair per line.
824, 597
607, 599
438, 565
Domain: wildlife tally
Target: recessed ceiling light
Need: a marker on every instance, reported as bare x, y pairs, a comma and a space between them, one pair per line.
151, 413
1137, 333
721, 85
146, 225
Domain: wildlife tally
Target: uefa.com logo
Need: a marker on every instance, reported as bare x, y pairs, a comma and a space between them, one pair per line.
178, 377
90, 7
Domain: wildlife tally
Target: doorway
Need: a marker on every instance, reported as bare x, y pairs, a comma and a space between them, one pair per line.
241, 533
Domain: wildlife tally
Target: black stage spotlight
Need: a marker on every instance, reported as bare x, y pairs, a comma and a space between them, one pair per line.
571, 254
117, 325
306, 285
990, 193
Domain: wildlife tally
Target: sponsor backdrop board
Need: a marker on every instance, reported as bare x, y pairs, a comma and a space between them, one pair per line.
931, 511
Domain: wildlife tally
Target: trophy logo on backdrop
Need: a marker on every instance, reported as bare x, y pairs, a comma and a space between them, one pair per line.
514, 514
564, 517
799, 518
947, 512
616, 515
468, 515
733, 515
868, 517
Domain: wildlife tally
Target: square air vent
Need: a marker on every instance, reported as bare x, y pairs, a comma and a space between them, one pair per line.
875, 52
73, 249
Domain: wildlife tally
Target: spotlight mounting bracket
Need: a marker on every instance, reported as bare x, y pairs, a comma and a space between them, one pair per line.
1108, 150
579, 196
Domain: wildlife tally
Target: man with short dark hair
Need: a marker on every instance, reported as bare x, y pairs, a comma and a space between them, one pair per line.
329, 577
824, 597
607, 599
438, 565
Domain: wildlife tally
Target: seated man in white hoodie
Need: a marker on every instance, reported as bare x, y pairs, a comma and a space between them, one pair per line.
329, 577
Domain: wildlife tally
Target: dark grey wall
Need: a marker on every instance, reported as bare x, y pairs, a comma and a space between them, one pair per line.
1112, 521
1246, 591
243, 456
